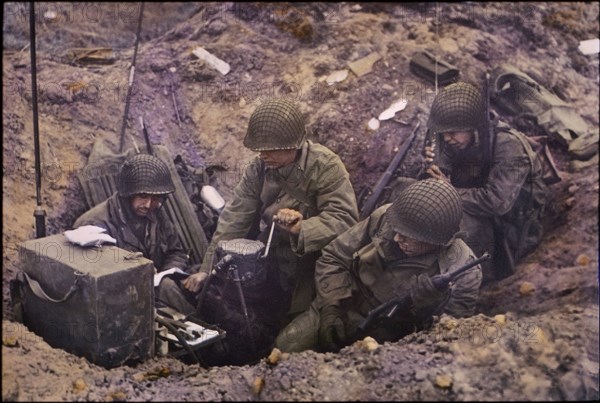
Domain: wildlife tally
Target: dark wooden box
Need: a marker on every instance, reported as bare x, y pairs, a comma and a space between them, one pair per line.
108, 317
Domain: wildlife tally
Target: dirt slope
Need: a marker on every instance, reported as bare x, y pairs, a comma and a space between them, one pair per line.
537, 345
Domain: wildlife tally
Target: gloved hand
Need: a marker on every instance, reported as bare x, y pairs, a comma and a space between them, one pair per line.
424, 295
332, 332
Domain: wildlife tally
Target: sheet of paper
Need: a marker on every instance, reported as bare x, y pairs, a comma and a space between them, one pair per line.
173, 271
89, 235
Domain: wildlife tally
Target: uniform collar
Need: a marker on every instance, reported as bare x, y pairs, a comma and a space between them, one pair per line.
300, 162
124, 212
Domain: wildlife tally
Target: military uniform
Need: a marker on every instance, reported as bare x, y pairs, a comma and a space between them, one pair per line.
364, 267
498, 177
513, 191
317, 185
307, 181
154, 236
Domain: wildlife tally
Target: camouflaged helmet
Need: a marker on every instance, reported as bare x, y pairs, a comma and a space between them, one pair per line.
144, 173
428, 211
275, 125
457, 107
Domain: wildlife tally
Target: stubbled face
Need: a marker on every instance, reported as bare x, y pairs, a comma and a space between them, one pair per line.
278, 158
143, 204
412, 247
458, 140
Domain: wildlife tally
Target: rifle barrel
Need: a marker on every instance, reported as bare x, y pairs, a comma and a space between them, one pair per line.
385, 178
440, 281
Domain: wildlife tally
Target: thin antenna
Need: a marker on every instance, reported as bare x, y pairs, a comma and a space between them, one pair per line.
437, 40
131, 76
39, 213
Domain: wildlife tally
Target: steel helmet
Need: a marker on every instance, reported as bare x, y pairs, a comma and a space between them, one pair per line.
144, 173
457, 107
428, 211
276, 124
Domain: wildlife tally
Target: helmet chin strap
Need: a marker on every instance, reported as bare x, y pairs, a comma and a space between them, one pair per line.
476, 140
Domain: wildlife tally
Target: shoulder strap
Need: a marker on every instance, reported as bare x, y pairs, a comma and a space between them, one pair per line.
36, 288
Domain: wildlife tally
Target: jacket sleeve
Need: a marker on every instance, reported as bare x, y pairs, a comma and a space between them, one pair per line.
238, 216
175, 255
510, 168
465, 293
465, 288
333, 275
336, 204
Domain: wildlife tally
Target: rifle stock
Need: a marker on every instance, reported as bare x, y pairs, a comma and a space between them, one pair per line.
371, 202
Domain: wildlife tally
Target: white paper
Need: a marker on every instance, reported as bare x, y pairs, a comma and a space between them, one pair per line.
391, 111
373, 124
200, 334
337, 77
211, 59
89, 235
590, 47
159, 276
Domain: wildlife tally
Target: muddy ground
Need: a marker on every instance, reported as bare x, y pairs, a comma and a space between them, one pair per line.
536, 334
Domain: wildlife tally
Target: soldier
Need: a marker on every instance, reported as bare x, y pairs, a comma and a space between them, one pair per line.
495, 172
301, 186
395, 250
133, 214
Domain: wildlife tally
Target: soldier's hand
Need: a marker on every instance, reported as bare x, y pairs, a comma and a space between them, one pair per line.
289, 220
429, 154
425, 296
194, 282
332, 331
435, 172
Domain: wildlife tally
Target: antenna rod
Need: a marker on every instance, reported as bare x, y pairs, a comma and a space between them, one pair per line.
437, 39
39, 213
131, 74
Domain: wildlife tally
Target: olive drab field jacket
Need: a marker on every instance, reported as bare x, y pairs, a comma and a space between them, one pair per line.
364, 267
513, 190
316, 184
160, 244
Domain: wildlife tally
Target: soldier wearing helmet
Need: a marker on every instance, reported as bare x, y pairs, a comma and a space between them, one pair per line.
396, 249
133, 214
300, 185
496, 173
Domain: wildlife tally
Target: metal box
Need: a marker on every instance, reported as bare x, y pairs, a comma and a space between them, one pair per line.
108, 313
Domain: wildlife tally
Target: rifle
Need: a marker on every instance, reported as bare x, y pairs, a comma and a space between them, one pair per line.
146, 137
371, 202
440, 281
504, 260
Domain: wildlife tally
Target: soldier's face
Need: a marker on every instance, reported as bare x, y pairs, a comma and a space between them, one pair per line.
459, 140
277, 158
412, 247
142, 204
